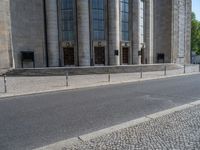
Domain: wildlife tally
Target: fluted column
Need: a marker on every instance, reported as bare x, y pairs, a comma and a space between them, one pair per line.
114, 31
149, 30
136, 31
83, 32
52, 32
188, 31
181, 35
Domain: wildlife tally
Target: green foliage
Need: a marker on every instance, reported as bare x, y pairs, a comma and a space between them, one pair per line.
195, 34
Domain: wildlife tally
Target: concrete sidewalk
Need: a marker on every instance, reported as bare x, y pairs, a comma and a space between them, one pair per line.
30, 85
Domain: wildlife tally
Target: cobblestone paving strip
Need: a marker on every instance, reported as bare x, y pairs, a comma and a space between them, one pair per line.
177, 131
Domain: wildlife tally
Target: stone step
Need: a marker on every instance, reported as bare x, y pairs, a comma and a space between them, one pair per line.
90, 70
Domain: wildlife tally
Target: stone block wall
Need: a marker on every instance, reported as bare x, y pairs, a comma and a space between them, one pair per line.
172, 30
28, 31
162, 29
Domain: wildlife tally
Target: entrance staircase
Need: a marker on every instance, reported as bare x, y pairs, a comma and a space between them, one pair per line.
91, 70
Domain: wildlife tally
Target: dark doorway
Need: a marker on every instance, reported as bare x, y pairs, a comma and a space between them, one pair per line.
68, 56
99, 53
160, 58
125, 55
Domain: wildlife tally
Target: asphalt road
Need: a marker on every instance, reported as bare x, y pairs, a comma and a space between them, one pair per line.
28, 122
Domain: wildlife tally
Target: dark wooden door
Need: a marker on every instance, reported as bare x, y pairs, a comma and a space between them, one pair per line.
99, 53
125, 55
68, 56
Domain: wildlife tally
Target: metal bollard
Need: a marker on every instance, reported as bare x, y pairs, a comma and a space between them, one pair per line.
165, 70
141, 72
199, 67
184, 68
67, 79
109, 76
5, 84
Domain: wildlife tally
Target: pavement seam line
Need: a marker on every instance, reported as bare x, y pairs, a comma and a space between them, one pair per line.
195, 103
132, 123
80, 139
149, 117
192, 104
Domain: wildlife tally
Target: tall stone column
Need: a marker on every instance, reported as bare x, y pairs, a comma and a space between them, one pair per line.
136, 31
114, 32
174, 36
52, 32
181, 31
83, 32
188, 31
6, 50
149, 27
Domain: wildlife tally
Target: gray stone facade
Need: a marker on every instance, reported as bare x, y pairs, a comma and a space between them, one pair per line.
21, 29
172, 30
163, 29
159, 31
27, 30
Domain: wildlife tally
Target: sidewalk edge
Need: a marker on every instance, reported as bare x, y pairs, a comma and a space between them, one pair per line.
109, 130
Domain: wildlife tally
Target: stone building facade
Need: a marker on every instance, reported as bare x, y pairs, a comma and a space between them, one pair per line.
57, 33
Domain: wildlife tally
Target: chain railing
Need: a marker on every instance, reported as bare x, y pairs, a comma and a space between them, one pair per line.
23, 85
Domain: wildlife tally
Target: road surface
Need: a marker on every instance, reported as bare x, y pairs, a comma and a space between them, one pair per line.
28, 122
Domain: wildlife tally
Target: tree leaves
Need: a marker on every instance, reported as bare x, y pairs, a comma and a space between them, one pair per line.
195, 34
